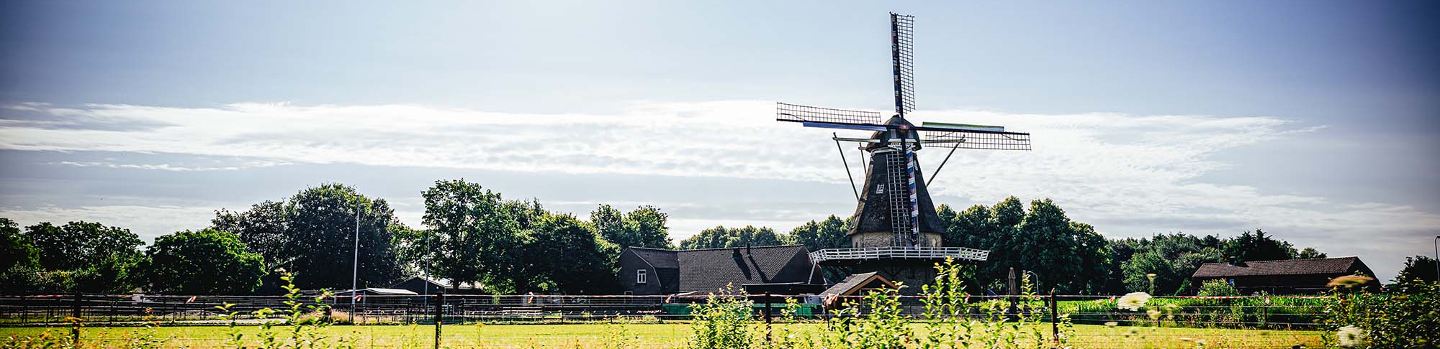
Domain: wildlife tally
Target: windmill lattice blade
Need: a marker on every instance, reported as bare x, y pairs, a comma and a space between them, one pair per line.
902, 47
805, 113
976, 139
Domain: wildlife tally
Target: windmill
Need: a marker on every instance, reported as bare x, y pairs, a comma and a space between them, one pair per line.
896, 229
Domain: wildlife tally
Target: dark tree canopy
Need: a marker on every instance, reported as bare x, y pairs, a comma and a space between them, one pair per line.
588, 262
1417, 268
16, 250
85, 257
203, 262
1257, 247
832, 232
19, 259
313, 234
722, 237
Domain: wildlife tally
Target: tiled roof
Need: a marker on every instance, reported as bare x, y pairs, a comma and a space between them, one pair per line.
664, 259
710, 270
1324, 266
851, 283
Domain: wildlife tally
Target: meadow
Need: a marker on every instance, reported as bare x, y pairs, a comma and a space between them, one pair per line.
666, 335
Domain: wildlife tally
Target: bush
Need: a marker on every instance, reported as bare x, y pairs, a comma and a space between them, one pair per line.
1216, 288
1408, 319
722, 322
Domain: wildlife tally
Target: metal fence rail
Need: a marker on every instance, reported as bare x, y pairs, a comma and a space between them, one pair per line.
1280, 312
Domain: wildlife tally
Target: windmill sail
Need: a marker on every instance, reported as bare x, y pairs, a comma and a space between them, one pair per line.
902, 43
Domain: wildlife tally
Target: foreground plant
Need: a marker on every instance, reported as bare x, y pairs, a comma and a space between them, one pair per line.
722, 322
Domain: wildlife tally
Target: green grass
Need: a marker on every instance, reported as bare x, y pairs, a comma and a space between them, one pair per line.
669, 335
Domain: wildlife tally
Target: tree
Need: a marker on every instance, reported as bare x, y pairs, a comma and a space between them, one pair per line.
16, 250
86, 256
203, 262
312, 234
471, 235
722, 237
1257, 247
1171, 258
1217, 288
972, 228
19, 259
610, 224
643, 227
1309, 253
646, 226
1418, 269
832, 232
588, 266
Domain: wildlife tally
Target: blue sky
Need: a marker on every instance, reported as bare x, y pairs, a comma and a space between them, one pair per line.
1309, 119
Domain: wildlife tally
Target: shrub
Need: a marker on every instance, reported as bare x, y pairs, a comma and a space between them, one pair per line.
722, 322
1217, 288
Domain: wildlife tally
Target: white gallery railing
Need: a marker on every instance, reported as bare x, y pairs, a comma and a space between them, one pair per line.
959, 253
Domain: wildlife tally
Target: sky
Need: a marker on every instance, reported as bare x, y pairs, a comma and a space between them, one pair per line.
1311, 120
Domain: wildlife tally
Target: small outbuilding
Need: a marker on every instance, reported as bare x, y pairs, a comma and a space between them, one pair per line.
1292, 276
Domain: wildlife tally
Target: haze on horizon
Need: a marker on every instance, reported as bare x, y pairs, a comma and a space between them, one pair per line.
1311, 120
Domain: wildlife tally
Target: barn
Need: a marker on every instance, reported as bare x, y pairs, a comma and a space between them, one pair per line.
651, 271
1292, 276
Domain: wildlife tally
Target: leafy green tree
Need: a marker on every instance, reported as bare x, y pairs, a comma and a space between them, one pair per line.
588, 265
16, 250
203, 262
19, 259
722, 237
643, 227
1419, 269
1309, 252
471, 235
832, 232
312, 234
1173, 258
86, 256
1257, 247
646, 226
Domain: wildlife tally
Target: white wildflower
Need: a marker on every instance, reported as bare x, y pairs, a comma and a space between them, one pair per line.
1351, 337
1133, 301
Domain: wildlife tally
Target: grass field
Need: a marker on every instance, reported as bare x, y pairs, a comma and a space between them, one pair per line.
670, 335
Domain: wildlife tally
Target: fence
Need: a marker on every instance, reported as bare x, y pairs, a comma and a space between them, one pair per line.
1273, 312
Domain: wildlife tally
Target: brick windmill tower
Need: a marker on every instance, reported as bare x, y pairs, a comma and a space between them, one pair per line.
897, 232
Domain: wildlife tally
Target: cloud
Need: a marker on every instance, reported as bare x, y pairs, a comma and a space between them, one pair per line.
1130, 175
146, 221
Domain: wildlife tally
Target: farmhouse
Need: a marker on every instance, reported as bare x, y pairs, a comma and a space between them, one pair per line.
1282, 276
651, 271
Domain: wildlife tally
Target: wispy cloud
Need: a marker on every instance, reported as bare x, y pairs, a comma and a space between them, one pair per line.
1128, 174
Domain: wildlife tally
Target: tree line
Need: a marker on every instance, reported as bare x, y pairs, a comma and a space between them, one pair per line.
472, 236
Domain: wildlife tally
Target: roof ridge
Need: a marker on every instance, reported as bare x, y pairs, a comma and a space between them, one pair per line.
736, 247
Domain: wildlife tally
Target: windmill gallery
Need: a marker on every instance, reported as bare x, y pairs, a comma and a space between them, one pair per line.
896, 235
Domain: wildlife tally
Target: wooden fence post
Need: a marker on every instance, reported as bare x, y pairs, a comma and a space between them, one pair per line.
439, 316
75, 321
1054, 319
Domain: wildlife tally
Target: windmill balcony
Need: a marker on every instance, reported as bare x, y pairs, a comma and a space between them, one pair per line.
855, 255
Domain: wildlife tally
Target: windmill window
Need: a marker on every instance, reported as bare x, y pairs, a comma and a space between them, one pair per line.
640, 276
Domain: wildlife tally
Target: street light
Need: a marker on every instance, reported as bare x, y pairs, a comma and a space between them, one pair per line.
1035, 277
1437, 257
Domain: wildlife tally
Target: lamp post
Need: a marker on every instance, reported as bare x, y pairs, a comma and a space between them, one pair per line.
1035, 277
1436, 242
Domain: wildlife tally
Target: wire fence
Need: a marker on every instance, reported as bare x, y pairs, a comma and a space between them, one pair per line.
1263, 312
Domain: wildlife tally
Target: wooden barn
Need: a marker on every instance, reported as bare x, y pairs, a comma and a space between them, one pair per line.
1293, 276
651, 271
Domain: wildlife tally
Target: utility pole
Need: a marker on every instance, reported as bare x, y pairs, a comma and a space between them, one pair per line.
355, 263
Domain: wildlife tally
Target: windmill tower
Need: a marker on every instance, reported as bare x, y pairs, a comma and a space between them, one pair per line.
896, 230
